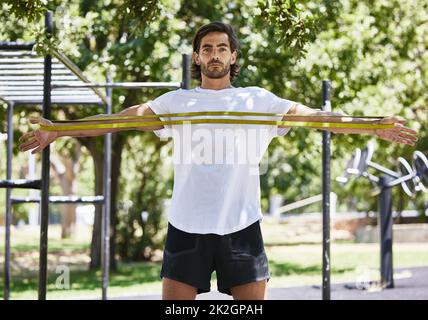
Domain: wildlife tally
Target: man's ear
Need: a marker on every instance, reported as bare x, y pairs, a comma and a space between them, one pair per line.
196, 58
233, 59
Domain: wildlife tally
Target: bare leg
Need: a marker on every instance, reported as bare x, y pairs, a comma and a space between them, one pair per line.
250, 291
176, 290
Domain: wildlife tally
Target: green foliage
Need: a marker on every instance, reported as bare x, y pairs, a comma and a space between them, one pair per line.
141, 224
140, 14
293, 26
27, 9
45, 42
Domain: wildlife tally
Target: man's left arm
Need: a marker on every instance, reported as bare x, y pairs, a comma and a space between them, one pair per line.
399, 133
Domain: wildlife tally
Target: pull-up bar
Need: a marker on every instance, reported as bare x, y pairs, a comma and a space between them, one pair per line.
126, 85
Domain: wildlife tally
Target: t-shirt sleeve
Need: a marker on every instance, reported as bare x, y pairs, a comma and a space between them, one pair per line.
161, 105
279, 105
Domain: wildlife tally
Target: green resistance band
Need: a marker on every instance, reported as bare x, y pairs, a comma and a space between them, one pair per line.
97, 123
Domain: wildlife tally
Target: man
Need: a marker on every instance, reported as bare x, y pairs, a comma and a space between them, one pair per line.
215, 209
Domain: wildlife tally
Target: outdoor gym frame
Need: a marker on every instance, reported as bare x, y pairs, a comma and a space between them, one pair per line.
411, 178
21, 88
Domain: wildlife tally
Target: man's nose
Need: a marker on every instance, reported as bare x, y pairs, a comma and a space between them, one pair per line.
215, 55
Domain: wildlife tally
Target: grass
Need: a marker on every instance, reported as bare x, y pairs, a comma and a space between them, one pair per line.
291, 264
129, 278
53, 247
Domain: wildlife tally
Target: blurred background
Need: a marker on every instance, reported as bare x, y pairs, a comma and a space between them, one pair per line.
374, 52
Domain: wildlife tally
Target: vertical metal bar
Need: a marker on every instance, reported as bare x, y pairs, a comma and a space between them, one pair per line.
105, 245
326, 106
8, 219
385, 226
44, 197
185, 84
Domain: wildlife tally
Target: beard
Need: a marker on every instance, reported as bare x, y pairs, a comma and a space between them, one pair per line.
217, 72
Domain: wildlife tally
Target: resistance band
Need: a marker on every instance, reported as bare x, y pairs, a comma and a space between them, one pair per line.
315, 121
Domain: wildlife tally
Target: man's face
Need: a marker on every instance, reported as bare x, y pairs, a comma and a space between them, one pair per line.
215, 56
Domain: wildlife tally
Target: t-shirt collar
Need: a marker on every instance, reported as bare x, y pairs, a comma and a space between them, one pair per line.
199, 89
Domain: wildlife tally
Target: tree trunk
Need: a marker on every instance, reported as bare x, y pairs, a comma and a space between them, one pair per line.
65, 170
118, 142
96, 230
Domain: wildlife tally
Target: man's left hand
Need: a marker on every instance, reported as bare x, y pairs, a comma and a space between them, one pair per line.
399, 133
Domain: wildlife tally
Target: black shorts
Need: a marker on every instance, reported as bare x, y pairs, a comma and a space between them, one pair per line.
238, 258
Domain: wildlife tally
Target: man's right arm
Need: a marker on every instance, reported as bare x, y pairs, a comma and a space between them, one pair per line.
137, 110
37, 140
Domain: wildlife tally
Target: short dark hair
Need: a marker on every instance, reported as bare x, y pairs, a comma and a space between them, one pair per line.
233, 42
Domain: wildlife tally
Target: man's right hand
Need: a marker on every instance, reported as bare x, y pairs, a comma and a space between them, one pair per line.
37, 139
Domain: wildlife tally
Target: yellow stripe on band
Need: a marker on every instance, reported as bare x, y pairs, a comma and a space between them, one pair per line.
73, 127
214, 113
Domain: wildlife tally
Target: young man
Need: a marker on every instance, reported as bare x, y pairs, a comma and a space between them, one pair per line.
215, 210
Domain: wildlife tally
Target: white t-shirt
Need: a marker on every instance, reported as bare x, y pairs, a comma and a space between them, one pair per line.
216, 166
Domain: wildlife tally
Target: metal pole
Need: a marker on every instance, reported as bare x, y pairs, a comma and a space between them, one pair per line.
124, 85
385, 225
44, 198
12, 45
105, 249
326, 106
186, 71
8, 221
